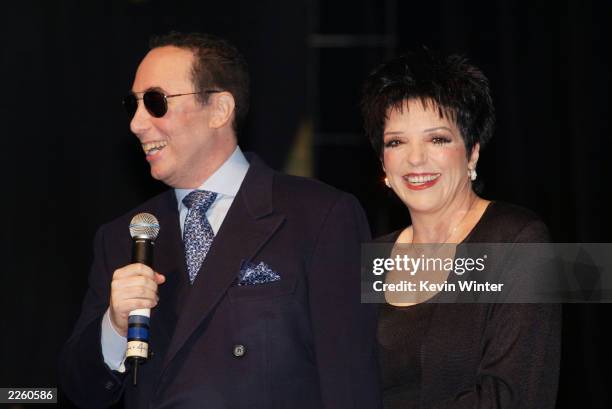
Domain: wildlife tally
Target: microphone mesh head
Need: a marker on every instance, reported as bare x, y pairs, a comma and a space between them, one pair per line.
144, 226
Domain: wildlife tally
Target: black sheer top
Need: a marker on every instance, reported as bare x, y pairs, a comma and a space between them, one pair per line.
473, 355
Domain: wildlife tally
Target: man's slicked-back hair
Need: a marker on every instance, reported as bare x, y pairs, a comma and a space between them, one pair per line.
217, 65
450, 84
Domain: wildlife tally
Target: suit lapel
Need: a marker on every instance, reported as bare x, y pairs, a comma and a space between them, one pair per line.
247, 226
169, 261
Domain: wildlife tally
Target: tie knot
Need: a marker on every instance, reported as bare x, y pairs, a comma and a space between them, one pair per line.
200, 200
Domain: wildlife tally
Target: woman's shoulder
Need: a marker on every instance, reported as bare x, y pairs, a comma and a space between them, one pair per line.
508, 212
509, 223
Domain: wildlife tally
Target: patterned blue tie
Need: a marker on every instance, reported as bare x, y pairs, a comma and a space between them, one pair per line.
198, 235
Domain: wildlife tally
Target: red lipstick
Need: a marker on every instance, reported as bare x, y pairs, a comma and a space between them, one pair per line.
421, 186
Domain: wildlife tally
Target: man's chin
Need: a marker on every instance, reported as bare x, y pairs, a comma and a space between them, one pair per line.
157, 174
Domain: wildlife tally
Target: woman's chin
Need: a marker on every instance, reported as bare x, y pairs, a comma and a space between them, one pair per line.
422, 204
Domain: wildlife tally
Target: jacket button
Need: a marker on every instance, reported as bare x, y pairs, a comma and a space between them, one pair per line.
109, 385
239, 350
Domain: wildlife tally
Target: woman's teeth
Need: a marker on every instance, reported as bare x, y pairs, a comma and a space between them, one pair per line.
414, 179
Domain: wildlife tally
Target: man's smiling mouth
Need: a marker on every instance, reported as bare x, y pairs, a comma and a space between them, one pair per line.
150, 148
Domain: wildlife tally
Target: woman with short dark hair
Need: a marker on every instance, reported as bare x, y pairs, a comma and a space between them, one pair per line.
428, 117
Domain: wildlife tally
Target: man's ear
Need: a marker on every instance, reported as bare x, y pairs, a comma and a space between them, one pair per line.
222, 106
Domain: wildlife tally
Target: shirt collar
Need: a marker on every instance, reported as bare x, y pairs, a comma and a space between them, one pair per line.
225, 181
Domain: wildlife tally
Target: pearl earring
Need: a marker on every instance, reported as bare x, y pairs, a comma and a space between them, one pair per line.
472, 174
387, 182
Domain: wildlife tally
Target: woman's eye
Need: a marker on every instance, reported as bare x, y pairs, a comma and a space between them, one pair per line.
392, 143
440, 140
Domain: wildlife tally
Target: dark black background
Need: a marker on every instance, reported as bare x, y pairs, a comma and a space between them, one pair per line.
69, 162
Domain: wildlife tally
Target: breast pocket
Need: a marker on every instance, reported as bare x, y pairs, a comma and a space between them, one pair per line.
284, 286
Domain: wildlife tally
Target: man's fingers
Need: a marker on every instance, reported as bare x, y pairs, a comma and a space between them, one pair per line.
133, 287
135, 293
133, 304
133, 270
133, 281
159, 278
124, 303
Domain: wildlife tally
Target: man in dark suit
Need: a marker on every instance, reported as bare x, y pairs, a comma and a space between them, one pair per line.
263, 311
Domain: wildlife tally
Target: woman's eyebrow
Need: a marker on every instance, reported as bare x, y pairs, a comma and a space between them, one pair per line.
436, 128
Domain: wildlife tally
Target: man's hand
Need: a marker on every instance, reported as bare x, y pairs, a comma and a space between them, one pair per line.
134, 286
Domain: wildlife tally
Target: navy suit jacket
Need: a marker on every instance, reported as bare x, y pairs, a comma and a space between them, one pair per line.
306, 339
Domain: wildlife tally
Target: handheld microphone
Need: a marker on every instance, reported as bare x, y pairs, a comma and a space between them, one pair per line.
144, 229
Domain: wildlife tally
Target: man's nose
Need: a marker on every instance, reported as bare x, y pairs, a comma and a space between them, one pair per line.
141, 120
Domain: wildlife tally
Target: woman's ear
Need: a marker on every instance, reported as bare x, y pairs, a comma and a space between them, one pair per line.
474, 156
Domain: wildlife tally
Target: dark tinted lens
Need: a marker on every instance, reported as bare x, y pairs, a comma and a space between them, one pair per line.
155, 102
130, 104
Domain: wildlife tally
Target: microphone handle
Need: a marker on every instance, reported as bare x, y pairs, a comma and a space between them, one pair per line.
138, 321
142, 251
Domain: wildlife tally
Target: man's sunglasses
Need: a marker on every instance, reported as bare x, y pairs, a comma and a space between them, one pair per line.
154, 101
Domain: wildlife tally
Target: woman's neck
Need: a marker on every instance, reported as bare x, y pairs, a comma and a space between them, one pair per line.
450, 224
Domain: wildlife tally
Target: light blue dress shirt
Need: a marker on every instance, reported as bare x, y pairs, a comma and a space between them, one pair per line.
225, 182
